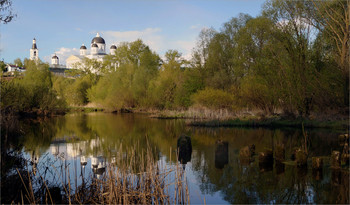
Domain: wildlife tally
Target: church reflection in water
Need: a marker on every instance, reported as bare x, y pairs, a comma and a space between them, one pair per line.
87, 151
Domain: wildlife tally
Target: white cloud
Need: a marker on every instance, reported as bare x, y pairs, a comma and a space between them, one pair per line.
195, 27
63, 53
152, 37
185, 47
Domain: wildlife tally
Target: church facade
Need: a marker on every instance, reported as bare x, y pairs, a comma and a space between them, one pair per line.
97, 51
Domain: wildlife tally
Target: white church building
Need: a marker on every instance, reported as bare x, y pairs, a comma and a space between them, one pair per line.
97, 51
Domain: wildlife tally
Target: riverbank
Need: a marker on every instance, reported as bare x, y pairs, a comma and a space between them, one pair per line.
224, 118
272, 123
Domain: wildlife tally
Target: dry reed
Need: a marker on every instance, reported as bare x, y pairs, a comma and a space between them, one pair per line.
139, 180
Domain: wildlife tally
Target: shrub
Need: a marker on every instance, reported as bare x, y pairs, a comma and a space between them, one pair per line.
213, 99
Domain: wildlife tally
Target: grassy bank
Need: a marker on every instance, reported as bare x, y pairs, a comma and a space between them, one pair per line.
272, 123
224, 118
85, 109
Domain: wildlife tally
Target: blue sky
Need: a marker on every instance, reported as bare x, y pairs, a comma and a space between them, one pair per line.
61, 27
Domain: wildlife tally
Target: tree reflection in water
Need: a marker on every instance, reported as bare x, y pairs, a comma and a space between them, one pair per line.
88, 142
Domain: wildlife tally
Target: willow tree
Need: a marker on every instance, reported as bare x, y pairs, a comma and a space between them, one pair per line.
332, 19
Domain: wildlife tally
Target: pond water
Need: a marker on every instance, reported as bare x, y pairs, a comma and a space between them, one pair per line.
87, 143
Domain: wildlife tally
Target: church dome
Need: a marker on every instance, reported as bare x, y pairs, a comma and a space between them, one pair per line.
94, 45
54, 57
98, 39
113, 47
83, 47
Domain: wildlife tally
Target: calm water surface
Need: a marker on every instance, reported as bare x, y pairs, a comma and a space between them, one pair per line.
87, 143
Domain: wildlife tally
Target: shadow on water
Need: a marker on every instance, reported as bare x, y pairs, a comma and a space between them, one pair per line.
87, 143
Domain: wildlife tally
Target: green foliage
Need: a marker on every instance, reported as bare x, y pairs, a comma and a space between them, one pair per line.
126, 85
214, 99
32, 92
18, 62
2, 66
291, 58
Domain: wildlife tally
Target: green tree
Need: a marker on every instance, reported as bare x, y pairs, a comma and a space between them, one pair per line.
18, 62
332, 19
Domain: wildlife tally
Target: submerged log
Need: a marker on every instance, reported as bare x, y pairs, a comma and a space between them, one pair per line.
317, 174
343, 139
345, 158
293, 155
247, 151
335, 160
345, 154
221, 154
246, 154
317, 163
279, 167
184, 147
301, 158
266, 157
279, 153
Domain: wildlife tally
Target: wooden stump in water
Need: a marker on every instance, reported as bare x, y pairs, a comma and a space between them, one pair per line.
246, 154
343, 139
293, 155
247, 151
336, 177
221, 154
184, 147
279, 167
279, 153
317, 174
317, 163
266, 157
345, 158
345, 154
335, 160
301, 158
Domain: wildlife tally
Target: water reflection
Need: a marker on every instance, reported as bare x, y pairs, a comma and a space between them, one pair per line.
221, 154
86, 144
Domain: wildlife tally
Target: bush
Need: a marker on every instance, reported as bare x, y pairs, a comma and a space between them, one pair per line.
213, 99
33, 91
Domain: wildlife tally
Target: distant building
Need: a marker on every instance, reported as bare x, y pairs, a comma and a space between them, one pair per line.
12, 68
55, 66
34, 51
54, 60
98, 52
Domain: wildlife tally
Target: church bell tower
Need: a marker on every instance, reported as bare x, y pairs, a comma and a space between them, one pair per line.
34, 52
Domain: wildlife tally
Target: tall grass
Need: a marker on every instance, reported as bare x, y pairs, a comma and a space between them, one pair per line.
141, 179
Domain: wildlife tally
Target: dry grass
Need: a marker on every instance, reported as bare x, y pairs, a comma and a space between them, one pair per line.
120, 184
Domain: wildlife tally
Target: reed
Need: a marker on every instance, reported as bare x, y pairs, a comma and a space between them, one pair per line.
121, 184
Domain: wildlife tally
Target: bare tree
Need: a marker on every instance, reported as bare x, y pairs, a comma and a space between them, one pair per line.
6, 13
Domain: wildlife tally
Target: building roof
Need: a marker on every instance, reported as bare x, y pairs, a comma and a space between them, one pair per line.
34, 46
113, 47
98, 39
54, 57
94, 45
83, 47
15, 66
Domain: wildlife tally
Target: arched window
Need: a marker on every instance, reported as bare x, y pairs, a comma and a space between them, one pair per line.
34, 53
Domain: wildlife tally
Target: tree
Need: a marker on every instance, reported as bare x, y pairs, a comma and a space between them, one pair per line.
18, 62
2, 66
6, 14
295, 36
332, 19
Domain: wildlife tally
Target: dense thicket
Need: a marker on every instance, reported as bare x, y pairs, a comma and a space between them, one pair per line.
293, 58
32, 92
